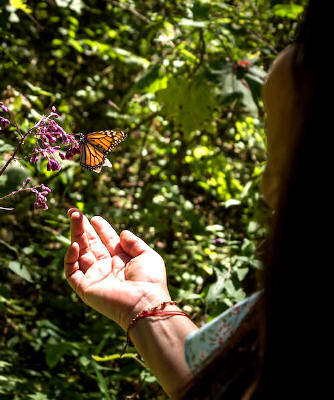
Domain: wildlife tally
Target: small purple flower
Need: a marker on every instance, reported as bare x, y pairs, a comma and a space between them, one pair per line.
76, 149
53, 165
4, 122
219, 241
4, 108
70, 153
45, 188
40, 191
34, 158
41, 196
48, 133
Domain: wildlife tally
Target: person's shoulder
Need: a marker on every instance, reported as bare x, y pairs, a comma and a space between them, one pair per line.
284, 60
280, 71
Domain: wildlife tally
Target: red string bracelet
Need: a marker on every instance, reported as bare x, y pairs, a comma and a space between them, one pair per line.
150, 312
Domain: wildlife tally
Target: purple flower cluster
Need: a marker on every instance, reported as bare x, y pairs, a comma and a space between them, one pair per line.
41, 196
40, 191
4, 122
48, 132
219, 241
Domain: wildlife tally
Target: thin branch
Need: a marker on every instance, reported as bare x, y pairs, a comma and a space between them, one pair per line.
202, 53
262, 39
12, 194
15, 123
15, 152
131, 10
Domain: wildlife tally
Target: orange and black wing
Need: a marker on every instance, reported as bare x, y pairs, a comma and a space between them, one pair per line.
105, 141
90, 157
95, 146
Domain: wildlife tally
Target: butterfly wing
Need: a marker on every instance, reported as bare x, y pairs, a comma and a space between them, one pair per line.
105, 141
95, 146
91, 157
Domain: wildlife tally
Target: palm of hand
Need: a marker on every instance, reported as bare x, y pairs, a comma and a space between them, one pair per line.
117, 276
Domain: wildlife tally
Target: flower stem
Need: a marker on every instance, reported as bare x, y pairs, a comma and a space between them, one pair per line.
15, 193
15, 123
23, 138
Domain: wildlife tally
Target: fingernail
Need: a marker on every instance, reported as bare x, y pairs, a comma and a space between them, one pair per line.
71, 211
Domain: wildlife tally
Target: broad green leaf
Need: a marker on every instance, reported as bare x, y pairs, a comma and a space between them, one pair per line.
55, 351
241, 273
20, 270
188, 104
233, 89
216, 289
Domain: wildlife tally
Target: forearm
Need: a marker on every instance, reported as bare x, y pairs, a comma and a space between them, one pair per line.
160, 341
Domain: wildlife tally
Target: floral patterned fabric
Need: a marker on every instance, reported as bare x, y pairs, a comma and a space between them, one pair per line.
202, 343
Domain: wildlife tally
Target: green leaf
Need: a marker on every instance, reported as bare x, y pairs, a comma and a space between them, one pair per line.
5, 147
192, 23
232, 202
38, 90
291, 11
20, 5
233, 88
38, 396
215, 291
241, 273
101, 381
10, 247
55, 351
20, 270
189, 104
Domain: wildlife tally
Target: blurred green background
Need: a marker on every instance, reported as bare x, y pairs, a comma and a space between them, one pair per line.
184, 79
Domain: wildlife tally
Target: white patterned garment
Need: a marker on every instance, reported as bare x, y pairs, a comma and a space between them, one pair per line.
202, 343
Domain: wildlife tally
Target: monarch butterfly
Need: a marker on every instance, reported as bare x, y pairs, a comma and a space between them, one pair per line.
95, 146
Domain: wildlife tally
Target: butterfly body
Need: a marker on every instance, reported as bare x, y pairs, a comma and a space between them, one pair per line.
95, 147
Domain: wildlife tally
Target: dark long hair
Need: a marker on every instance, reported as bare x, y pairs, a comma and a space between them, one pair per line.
284, 350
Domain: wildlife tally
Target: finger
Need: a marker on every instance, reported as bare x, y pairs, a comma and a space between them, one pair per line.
81, 225
71, 263
85, 235
132, 244
87, 257
107, 234
78, 233
74, 275
112, 242
71, 210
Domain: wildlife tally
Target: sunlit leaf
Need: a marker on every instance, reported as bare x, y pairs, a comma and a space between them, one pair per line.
20, 270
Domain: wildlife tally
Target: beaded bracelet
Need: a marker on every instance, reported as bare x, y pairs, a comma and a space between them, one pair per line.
150, 312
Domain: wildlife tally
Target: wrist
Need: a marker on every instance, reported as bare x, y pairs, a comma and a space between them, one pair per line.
160, 340
146, 300
163, 310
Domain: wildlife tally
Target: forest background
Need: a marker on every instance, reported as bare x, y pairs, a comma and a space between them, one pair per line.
184, 79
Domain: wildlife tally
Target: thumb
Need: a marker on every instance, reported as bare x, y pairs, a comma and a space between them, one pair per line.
132, 244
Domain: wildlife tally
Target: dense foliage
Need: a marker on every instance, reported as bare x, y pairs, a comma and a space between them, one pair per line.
184, 79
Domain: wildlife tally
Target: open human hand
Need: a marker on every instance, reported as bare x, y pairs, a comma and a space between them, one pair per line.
117, 275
